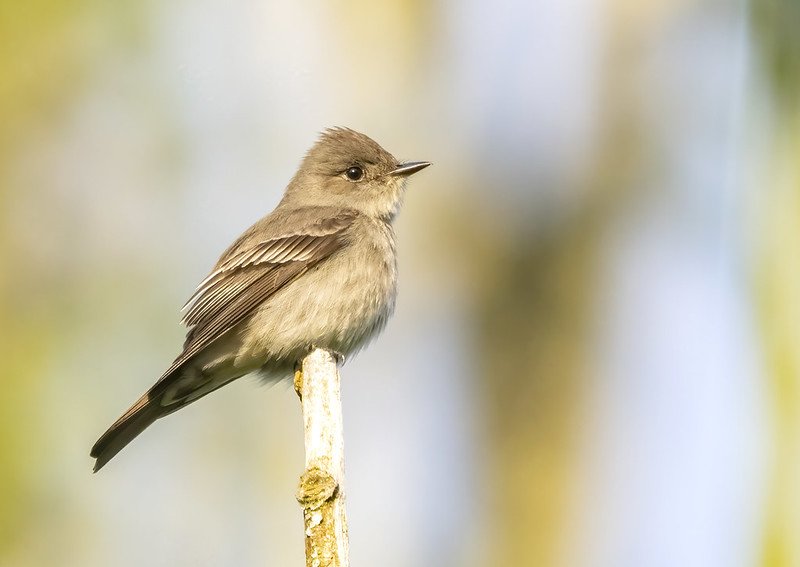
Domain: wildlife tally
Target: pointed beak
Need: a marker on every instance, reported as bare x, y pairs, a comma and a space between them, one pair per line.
409, 167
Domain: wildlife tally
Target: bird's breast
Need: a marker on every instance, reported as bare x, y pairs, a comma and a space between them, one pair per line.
340, 304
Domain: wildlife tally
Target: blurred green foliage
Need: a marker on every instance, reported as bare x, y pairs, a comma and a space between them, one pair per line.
776, 24
47, 49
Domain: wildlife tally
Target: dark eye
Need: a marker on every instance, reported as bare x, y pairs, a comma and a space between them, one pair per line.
354, 173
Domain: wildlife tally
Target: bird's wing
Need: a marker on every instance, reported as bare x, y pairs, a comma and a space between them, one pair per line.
247, 275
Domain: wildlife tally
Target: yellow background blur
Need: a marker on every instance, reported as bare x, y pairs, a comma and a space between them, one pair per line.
594, 360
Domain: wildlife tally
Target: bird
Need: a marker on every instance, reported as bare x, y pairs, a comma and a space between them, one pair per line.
319, 271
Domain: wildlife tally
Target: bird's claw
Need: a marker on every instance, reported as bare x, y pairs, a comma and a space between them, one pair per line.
337, 356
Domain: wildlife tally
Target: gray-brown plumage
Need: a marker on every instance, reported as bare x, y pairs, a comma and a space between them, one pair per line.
318, 270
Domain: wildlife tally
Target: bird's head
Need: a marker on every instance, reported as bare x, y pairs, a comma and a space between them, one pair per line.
350, 170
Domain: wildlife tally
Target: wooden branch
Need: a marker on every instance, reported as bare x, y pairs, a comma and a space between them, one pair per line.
320, 492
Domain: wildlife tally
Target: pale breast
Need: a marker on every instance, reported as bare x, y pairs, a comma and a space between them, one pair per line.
338, 305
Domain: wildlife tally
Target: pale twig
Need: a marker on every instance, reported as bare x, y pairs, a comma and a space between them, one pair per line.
321, 493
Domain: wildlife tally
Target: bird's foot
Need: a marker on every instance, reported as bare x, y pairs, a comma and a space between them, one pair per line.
337, 356
298, 368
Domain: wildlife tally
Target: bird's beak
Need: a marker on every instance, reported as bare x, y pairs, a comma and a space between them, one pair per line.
409, 167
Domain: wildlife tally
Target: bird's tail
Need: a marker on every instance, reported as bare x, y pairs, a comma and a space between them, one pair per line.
138, 418
172, 392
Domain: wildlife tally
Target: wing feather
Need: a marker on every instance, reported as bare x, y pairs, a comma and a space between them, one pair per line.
247, 276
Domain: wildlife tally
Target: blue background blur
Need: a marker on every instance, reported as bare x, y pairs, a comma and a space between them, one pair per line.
594, 358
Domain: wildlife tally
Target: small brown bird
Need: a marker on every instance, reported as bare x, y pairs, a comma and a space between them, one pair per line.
318, 270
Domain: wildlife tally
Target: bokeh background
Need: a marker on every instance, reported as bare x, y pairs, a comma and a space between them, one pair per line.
594, 360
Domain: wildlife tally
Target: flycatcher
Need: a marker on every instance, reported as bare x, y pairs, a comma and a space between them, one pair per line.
320, 270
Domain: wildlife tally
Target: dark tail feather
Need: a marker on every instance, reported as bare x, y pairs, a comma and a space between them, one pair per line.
138, 418
169, 394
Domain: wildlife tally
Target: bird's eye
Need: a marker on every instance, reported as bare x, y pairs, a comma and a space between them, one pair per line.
354, 173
